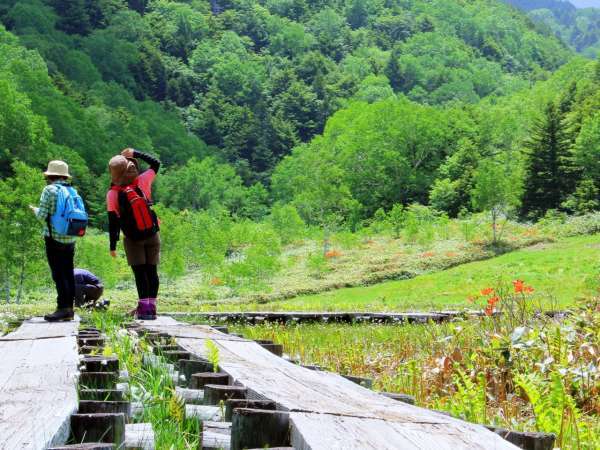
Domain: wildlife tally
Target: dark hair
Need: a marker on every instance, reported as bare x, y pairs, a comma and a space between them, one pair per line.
54, 178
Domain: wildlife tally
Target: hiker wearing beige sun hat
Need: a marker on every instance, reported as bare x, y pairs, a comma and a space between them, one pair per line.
62, 212
58, 169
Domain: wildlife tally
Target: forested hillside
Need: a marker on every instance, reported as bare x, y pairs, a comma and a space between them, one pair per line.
578, 27
382, 103
252, 79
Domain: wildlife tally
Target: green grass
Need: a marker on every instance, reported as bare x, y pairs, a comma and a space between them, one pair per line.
564, 271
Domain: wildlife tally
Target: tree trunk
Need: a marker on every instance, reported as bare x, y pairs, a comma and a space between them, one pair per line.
494, 218
21, 281
7, 284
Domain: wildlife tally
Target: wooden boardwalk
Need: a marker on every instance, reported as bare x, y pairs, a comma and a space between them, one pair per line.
328, 412
38, 379
323, 316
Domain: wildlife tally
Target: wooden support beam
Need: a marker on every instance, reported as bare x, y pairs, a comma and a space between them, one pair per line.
101, 363
405, 398
190, 396
276, 349
214, 393
92, 380
92, 341
234, 403
116, 395
160, 349
90, 350
361, 381
109, 407
173, 356
109, 428
90, 446
259, 428
199, 380
526, 440
188, 367
139, 436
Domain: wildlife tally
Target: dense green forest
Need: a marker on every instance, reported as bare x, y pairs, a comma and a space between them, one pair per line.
578, 27
327, 114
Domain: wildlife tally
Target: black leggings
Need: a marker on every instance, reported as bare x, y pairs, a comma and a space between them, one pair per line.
146, 280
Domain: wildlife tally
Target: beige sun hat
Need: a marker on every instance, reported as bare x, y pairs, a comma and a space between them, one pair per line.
57, 169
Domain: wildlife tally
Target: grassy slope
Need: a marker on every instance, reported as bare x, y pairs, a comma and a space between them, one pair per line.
562, 270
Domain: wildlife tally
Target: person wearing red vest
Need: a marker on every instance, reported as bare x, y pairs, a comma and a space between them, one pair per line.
128, 205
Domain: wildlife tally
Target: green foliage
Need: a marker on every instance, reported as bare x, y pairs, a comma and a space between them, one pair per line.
317, 264
287, 223
548, 177
497, 189
202, 185
213, 354
254, 255
257, 79
22, 249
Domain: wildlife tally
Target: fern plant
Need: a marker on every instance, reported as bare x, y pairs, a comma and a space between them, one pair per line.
213, 354
470, 399
554, 409
176, 407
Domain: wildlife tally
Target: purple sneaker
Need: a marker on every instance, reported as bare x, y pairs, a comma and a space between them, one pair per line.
146, 309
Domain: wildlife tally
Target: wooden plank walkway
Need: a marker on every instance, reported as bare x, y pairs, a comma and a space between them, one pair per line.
38, 384
328, 412
341, 316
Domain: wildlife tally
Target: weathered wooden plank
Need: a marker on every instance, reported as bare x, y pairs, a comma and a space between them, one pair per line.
342, 316
352, 433
38, 328
139, 436
38, 384
326, 404
216, 435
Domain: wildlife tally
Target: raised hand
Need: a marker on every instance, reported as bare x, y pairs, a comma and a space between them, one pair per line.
127, 153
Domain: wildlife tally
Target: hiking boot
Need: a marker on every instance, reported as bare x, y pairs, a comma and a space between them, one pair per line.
60, 315
146, 309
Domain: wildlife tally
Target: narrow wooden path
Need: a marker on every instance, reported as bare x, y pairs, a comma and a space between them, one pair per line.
324, 316
328, 412
38, 384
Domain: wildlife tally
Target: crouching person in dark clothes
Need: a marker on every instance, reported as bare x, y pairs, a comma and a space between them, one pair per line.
88, 288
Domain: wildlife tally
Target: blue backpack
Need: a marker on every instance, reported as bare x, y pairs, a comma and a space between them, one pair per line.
70, 218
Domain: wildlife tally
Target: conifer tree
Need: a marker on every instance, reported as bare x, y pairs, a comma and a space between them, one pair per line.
74, 16
393, 70
548, 178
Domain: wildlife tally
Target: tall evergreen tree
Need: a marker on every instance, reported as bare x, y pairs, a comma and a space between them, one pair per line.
74, 16
357, 14
393, 70
548, 178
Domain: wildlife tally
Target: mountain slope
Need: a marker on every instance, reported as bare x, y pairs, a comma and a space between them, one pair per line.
259, 78
578, 27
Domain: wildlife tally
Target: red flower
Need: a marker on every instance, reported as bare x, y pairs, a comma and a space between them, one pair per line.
489, 310
493, 300
487, 291
333, 254
519, 286
529, 289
